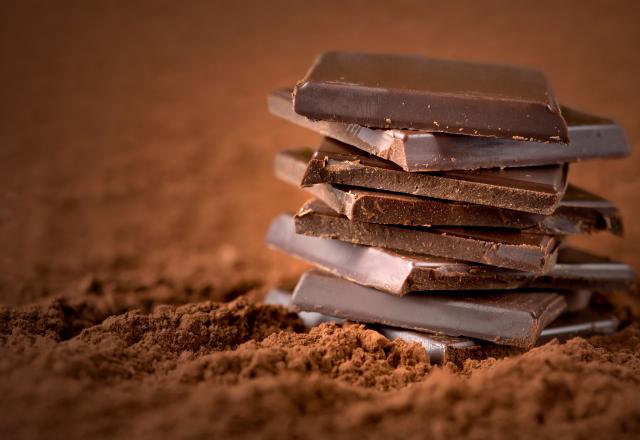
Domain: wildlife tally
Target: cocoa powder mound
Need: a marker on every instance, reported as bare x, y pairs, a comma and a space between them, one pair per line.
242, 370
134, 343
349, 353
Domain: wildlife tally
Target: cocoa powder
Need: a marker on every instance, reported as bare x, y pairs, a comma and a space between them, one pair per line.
243, 370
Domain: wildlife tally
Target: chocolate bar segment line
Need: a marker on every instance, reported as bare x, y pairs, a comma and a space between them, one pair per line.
579, 211
513, 250
537, 189
592, 137
412, 92
505, 318
400, 273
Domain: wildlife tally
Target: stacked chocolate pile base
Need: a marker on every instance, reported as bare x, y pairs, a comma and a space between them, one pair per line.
440, 206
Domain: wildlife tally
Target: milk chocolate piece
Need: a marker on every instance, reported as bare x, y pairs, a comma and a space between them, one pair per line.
532, 189
502, 248
592, 137
412, 92
505, 318
400, 273
579, 212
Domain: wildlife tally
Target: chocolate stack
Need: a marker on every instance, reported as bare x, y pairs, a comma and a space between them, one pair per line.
441, 205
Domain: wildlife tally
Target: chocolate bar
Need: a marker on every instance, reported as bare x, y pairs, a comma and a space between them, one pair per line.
579, 212
502, 248
592, 137
505, 318
412, 92
532, 189
400, 273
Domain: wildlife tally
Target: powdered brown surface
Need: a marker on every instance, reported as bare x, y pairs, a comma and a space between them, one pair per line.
136, 188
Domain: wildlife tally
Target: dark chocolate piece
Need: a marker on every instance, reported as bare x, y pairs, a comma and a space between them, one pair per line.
506, 318
400, 273
412, 92
502, 248
579, 212
444, 349
533, 189
592, 137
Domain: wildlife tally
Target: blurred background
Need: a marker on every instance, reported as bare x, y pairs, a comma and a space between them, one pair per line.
135, 140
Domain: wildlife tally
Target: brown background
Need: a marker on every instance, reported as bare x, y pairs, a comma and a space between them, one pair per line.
134, 136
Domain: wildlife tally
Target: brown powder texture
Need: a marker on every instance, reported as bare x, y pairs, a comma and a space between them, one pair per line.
242, 370
134, 343
349, 353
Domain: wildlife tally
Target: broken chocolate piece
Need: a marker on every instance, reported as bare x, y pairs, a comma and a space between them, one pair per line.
502, 248
534, 189
400, 272
579, 212
506, 318
592, 137
412, 92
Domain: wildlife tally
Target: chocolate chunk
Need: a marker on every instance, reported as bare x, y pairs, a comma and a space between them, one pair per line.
405, 91
400, 273
531, 189
502, 248
506, 318
579, 212
592, 137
